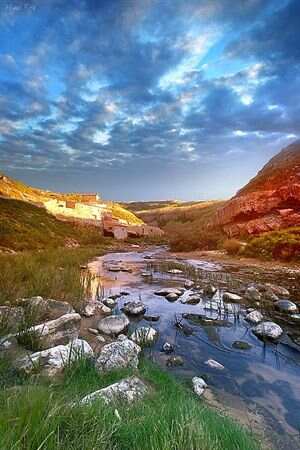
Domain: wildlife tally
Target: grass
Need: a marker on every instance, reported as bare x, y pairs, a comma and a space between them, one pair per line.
53, 273
38, 415
24, 226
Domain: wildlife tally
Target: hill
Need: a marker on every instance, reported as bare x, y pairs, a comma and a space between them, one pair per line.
24, 226
270, 201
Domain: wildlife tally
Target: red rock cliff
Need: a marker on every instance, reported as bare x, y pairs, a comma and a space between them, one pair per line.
270, 201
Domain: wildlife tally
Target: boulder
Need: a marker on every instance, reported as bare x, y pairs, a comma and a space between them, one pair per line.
11, 319
41, 309
231, 297
109, 302
189, 284
134, 308
253, 294
279, 291
286, 306
152, 317
254, 317
52, 333
210, 290
166, 291
199, 385
172, 297
113, 325
168, 348
191, 300
52, 361
214, 364
127, 390
92, 308
122, 354
144, 335
268, 330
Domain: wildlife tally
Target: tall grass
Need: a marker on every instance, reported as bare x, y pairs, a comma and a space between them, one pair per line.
40, 416
49, 273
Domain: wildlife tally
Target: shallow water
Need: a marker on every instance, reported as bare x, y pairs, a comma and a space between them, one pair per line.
263, 380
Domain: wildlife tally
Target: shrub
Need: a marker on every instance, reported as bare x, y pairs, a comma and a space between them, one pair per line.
232, 246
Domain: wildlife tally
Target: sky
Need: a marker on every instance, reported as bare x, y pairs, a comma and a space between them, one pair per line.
147, 99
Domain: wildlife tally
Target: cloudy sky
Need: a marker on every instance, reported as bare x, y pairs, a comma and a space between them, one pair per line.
147, 99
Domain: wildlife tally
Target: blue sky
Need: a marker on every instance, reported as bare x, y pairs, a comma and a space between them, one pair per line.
147, 99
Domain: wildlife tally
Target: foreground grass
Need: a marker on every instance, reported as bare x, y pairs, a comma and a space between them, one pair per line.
39, 416
53, 273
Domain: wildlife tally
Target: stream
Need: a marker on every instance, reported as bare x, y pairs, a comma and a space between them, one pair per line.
260, 382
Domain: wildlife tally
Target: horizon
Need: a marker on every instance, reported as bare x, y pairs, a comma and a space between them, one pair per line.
147, 101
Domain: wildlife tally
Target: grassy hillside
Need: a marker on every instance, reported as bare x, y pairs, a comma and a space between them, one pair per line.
185, 224
24, 226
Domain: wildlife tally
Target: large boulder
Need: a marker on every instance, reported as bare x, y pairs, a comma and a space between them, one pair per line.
286, 306
52, 361
144, 335
127, 390
11, 319
279, 291
52, 333
134, 308
113, 325
231, 297
268, 330
254, 317
122, 354
39, 309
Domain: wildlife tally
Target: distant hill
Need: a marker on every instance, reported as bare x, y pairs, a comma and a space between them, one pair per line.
14, 189
270, 201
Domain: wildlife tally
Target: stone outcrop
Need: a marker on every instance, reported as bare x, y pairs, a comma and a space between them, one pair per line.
55, 332
270, 201
122, 354
41, 309
52, 361
127, 390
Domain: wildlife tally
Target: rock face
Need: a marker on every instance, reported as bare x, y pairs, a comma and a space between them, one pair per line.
56, 332
128, 390
113, 325
52, 361
122, 354
270, 201
268, 330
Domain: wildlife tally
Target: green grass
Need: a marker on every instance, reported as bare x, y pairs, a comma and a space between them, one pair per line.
38, 415
50, 273
24, 226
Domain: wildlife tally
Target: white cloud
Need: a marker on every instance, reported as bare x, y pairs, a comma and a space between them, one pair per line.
101, 137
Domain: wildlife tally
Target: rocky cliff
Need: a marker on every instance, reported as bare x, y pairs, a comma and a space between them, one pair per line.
270, 201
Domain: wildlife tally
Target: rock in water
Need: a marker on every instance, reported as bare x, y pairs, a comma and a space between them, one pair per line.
122, 354
230, 297
241, 345
52, 361
113, 325
54, 332
268, 330
144, 335
172, 297
214, 364
278, 290
134, 308
168, 348
286, 306
254, 317
166, 291
210, 290
253, 294
128, 390
199, 385
175, 361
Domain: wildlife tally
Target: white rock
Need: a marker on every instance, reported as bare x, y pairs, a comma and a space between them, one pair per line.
121, 354
55, 332
199, 385
52, 361
175, 271
144, 335
92, 308
127, 390
165, 291
214, 364
268, 330
230, 297
254, 317
113, 324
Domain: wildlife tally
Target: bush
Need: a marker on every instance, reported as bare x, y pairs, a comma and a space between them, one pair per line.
232, 246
